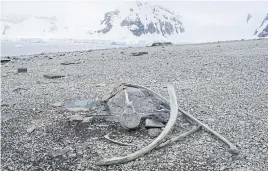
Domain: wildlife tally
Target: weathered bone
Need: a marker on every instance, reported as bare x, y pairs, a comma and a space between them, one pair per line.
232, 147
129, 120
155, 143
177, 138
107, 136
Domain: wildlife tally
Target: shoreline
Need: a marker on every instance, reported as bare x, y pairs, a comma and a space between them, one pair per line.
82, 46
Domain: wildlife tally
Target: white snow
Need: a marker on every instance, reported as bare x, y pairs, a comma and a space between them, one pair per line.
83, 23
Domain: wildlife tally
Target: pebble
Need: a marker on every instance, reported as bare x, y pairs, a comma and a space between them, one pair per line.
22, 70
67, 63
139, 53
71, 154
100, 85
154, 132
58, 104
58, 152
53, 76
87, 119
76, 117
5, 61
31, 129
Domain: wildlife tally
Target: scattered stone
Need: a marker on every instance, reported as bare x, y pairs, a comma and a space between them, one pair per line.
122, 52
87, 119
58, 152
82, 105
3, 61
4, 105
58, 104
53, 76
31, 129
222, 168
71, 154
67, 63
161, 43
62, 54
211, 120
19, 89
10, 168
100, 85
139, 53
22, 70
151, 123
76, 117
154, 132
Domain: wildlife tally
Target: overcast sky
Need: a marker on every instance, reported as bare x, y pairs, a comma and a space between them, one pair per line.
60, 7
198, 12
206, 16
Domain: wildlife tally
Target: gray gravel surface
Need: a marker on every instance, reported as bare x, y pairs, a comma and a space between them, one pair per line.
224, 84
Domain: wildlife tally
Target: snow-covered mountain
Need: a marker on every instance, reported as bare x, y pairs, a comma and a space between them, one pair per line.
130, 21
135, 21
262, 31
142, 19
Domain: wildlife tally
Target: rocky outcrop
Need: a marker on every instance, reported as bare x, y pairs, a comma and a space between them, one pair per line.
144, 19
108, 21
262, 31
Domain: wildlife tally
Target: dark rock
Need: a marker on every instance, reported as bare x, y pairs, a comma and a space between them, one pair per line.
3, 61
161, 43
101, 85
139, 30
19, 89
67, 63
107, 21
151, 123
4, 105
22, 70
139, 53
53, 76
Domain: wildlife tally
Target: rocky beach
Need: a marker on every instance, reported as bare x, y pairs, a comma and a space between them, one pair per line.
223, 84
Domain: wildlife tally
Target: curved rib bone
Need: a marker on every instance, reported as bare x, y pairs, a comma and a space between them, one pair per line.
155, 143
107, 136
232, 147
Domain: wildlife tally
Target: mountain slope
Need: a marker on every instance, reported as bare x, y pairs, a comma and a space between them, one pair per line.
137, 22
262, 31
142, 19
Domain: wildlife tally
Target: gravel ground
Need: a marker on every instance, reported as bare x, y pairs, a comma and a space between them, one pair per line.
224, 84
